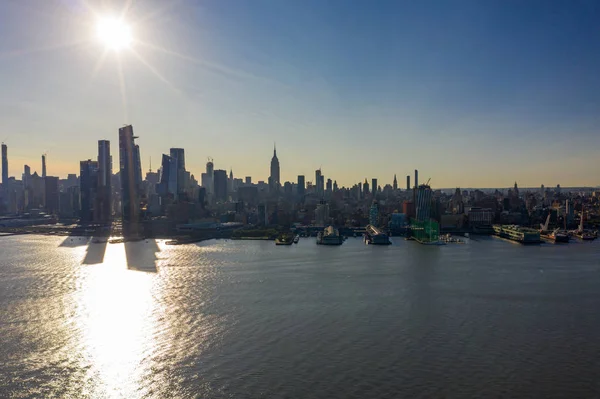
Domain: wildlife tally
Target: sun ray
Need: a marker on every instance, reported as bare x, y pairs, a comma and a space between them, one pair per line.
99, 63
156, 12
123, 88
153, 70
203, 63
60, 46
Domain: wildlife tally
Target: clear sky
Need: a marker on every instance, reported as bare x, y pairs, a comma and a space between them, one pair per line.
472, 93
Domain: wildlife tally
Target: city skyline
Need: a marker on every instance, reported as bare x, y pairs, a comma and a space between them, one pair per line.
469, 103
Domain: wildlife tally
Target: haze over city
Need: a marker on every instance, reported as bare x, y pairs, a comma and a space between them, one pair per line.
473, 94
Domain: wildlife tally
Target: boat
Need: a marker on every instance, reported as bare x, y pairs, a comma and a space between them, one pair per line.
448, 239
329, 236
284, 239
585, 236
524, 235
296, 239
375, 236
559, 236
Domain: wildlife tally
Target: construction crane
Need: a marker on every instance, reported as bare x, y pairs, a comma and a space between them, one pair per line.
428, 180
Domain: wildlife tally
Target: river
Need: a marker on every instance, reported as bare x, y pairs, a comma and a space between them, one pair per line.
248, 319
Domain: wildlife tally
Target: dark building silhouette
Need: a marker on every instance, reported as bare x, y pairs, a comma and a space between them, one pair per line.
51, 195
274, 178
374, 186
130, 173
301, 187
43, 166
4, 166
220, 177
408, 182
178, 174
88, 185
104, 191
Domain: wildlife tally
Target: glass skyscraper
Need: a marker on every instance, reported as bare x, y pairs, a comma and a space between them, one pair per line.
130, 173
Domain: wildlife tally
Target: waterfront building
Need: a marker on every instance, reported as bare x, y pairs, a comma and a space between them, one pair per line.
423, 203
374, 214
130, 173
104, 190
88, 181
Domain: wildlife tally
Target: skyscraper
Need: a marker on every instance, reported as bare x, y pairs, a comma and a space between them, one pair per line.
43, 166
274, 179
318, 187
4, 166
374, 214
416, 178
423, 204
374, 186
104, 191
220, 185
366, 187
26, 176
408, 182
51, 194
178, 159
248, 180
329, 188
130, 173
395, 185
301, 187
88, 184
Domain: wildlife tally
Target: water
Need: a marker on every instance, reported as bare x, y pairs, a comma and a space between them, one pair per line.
245, 319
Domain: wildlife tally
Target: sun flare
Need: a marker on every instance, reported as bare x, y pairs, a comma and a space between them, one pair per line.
114, 33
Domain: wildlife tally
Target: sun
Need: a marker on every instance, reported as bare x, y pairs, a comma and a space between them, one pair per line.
114, 33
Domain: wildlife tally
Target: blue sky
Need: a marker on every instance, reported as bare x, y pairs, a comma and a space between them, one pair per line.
472, 93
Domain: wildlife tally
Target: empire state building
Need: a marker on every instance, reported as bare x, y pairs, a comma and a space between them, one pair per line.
274, 180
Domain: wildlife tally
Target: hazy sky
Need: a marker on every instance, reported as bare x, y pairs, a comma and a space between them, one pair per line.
472, 93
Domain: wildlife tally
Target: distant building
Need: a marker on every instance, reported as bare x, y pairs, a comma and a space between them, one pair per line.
395, 184
322, 214
130, 173
423, 206
416, 178
374, 186
365, 188
248, 180
374, 214
220, 181
4, 166
408, 182
104, 191
274, 178
43, 166
318, 177
88, 175
51, 195
301, 187
329, 186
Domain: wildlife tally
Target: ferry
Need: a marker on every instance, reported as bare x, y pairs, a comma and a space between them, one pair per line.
516, 233
375, 236
330, 236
